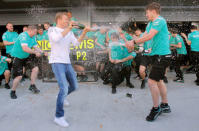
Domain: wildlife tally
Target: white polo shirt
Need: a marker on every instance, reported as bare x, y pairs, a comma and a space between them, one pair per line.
60, 46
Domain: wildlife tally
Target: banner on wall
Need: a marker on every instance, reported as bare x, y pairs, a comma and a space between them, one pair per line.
80, 51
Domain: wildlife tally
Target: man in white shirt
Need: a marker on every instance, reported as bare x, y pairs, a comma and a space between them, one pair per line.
60, 38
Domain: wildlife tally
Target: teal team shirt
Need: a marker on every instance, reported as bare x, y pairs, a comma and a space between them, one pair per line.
10, 37
23, 38
172, 40
101, 39
46, 34
160, 42
127, 54
183, 49
90, 35
116, 51
194, 38
3, 64
42, 37
119, 52
128, 36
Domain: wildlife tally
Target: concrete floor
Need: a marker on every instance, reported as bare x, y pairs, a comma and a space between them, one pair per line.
94, 108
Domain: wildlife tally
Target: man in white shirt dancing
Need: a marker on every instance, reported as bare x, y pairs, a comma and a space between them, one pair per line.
60, 38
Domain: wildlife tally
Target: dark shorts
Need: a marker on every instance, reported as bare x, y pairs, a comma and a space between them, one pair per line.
159, 65
2, 77
9, 64
28, 63
145, 60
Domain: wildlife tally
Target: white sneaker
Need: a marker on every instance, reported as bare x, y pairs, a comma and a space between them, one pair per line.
61, 122
66, 103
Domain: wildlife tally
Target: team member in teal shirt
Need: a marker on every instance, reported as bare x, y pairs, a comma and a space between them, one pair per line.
21, 53
181, 53
139, 57
101, 52
160, 53
145, 61
41, 35
4, 71
9, 37
193, 40
121, 60
46, 27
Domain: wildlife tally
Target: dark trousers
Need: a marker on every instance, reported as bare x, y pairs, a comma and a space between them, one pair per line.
195, 60
178, 63
119, 73
138, 59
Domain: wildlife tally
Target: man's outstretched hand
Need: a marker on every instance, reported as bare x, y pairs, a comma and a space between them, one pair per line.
87, 29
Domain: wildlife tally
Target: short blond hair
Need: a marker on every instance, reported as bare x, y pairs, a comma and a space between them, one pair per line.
154, 6
59, 15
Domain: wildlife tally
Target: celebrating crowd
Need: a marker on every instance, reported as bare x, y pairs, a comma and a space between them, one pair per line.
118, 51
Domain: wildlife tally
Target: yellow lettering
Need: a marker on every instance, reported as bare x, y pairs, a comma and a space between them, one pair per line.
90, 43
39, 44
85, 44
84, 55
48, 46
81, 45
78, 53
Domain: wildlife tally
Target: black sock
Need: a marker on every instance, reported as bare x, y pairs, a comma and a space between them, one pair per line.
128, 82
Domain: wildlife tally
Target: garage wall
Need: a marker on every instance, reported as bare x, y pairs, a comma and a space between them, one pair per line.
123, 14
88, 15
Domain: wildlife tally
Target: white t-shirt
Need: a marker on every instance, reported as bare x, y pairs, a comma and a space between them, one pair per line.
60, 46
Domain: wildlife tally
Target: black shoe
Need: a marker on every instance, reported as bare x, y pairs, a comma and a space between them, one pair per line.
154, 114
114, 90
130, 85
13, 95
197, 83
143, 84
179, 80
165, 108
34, 89
165, 80
0, 83
7, 86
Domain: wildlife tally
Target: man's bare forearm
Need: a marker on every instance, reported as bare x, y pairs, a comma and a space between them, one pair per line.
82, 36
66, 31
8, 43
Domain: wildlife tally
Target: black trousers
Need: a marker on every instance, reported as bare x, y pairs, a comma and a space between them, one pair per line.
138, 60
195, 60
173, 59
180, 60
119, 73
